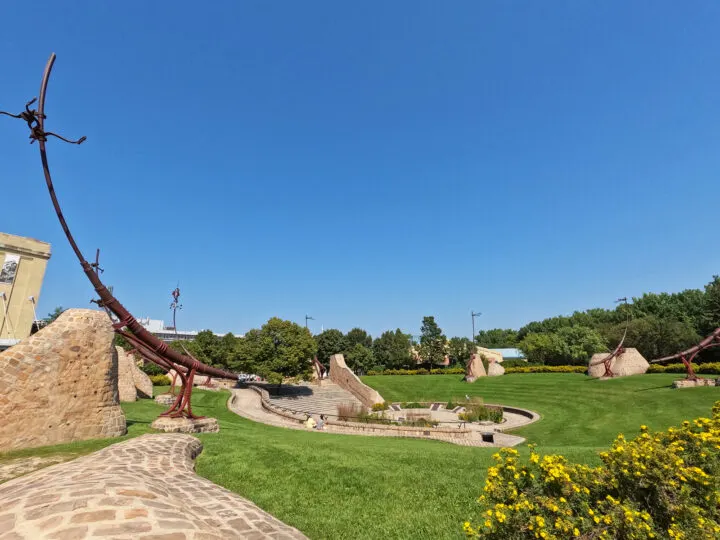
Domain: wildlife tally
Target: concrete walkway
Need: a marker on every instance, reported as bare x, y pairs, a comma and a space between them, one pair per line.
144, 488
247, 403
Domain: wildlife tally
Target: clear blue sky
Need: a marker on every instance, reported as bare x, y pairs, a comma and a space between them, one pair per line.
369, 163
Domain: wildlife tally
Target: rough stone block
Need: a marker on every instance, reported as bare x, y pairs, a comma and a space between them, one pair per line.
686, 383
630, 362
343, 376
186, 425
495, 369
60, 384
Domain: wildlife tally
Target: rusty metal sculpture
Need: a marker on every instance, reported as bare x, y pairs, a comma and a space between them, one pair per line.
146, 344
688, 355
619, 350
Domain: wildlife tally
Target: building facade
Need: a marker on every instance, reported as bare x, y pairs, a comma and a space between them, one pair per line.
22, 270
168, 333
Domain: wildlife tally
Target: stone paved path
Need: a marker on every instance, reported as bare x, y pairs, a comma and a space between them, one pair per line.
143, 488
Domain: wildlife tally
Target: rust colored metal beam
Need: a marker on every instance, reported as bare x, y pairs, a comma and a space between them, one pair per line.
688, 355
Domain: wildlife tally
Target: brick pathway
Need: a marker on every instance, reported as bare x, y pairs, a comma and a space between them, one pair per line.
143, 488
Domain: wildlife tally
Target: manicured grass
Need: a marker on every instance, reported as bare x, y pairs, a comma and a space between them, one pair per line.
342, 486
576, 410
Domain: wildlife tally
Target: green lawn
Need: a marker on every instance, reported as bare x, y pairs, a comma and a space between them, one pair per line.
335, 486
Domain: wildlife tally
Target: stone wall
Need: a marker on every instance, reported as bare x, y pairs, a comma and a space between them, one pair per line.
60, 384
343, 376
133, 383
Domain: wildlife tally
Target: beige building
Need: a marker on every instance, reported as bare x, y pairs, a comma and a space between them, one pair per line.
22, 269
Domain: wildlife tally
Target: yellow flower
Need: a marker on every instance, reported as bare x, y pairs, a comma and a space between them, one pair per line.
576, 532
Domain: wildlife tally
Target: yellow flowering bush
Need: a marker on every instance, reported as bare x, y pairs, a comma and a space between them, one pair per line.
658, 485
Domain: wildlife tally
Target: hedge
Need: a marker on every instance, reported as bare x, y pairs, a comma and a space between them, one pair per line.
710, 368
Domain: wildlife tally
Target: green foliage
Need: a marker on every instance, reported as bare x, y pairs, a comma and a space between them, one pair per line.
432, 342
152, 369
159, 380
658, 485
392, 350
360, 358
545, 369
476, 411
54, 314
459, 350
705, 369
330, 342
569, 345
120, 341
497, 338
711, 307
384, 406
278, 348
273, 377
358, 336
412, 405
655, 337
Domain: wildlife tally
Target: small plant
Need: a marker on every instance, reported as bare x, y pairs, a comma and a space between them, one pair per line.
412, 405
350, 411
477, 411
159, 380
384, 406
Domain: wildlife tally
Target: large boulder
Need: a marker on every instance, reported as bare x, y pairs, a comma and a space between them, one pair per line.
495, 369
343, 376
475, 368
490, 356
60, 384
630, 362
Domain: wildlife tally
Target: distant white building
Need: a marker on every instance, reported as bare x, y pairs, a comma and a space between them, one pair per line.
510, 354
168, 333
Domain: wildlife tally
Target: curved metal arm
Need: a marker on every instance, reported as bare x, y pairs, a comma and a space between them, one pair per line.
150, 342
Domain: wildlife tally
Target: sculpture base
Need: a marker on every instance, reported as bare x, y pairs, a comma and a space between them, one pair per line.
165, 399
186, 425
686, 383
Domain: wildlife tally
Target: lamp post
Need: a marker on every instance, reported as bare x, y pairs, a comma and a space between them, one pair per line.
308, 318
472, 316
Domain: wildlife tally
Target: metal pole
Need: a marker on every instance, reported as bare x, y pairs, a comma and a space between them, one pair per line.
308, 318
474, 314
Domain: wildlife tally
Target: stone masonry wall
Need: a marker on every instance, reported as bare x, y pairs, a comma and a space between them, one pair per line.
133, 383
60, 385
126, 384
343, 376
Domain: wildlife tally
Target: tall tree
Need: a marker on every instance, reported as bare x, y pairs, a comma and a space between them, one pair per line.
392, 350
330, 342
432, 341
497, 338
279, 349
570, 345
711, 307
459, 350
360, 359
358, 336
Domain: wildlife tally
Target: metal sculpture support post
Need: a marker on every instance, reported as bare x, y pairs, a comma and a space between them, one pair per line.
687, 356
149, 346
620, 349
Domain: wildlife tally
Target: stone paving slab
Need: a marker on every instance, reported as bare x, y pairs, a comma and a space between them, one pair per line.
144, 488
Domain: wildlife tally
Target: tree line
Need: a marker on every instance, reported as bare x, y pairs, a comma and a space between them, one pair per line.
659, 325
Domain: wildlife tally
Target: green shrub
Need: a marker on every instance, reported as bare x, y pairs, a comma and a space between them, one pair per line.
707, 369
420, 371
477, 411
152, 369
160, 380
384, 406
412, 405
547, 369
658, 485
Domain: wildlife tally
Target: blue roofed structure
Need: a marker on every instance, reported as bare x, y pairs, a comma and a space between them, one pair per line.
510, 354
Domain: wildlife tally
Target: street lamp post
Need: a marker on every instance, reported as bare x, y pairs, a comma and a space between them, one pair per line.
472, 316
308, 318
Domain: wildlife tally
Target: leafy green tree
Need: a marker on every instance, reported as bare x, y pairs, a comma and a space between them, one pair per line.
358, 335
360, 358
655, 337
570, 345
330, 342
459, 350
711, 307
54, 314
432, 342
279, 347
392, 350
497, 338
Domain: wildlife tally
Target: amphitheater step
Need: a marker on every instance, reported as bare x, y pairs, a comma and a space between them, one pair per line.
311, 398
